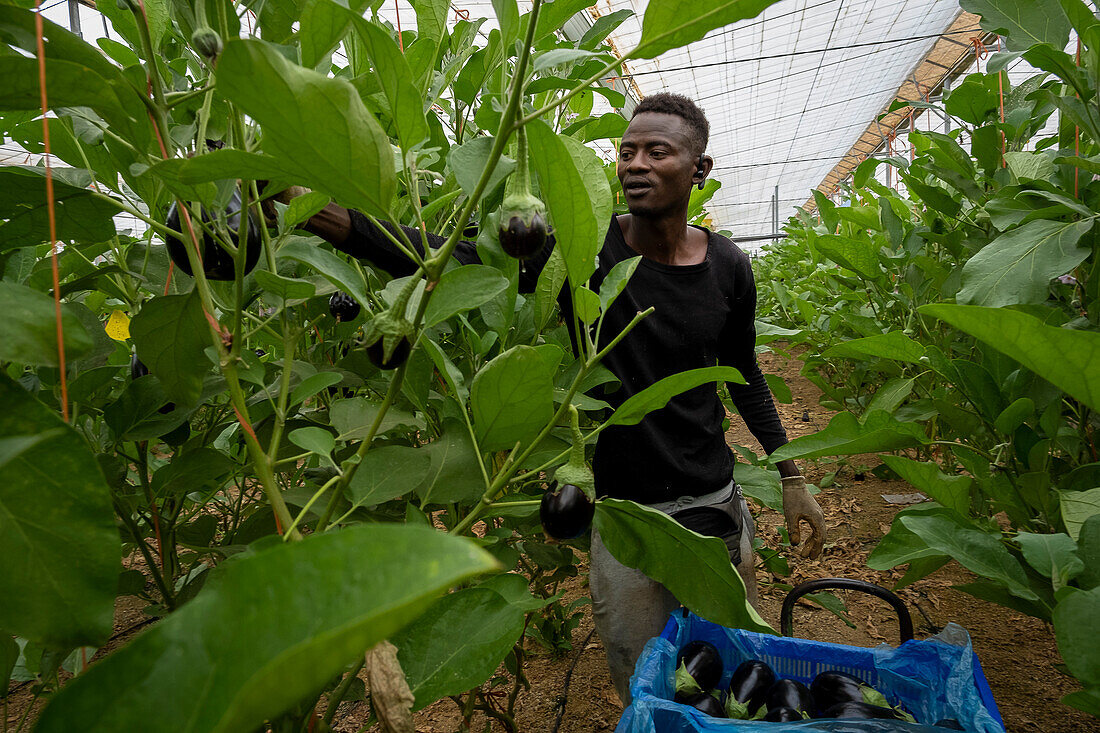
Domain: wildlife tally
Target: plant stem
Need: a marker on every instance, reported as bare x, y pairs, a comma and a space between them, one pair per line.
315, 497
339, 692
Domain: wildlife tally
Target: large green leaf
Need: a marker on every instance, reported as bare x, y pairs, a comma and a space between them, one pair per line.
893, 345
353, 417
269, 630
657, 395
1024, 22
388, 472
24, 216
393, 72
28, 330
57, 529
315, 124
1064, 357
577, 228
455, 474
458, 643
512, 397
951, 491
855, 254
669, 24
1075, 628
1077, 508
1054, 556
696, 569
462, 289
845, 435
901, 545
468, 160
1017, 266
332, 266
171, 334
977, 550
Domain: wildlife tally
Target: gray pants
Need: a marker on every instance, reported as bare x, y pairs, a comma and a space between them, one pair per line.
630, 609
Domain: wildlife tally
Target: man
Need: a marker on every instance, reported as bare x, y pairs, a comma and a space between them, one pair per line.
701, 286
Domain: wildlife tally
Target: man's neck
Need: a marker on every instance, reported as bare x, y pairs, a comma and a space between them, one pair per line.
666, 239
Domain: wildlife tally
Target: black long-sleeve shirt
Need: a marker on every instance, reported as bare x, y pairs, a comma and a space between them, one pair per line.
703, 314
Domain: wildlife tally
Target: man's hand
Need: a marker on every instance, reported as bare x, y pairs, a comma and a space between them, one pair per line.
799, 506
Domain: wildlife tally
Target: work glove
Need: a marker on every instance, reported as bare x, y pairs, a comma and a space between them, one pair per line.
799, 506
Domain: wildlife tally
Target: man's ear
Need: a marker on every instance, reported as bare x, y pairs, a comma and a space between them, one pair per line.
703, 167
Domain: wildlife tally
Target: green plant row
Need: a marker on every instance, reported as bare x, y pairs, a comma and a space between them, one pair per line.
957, 326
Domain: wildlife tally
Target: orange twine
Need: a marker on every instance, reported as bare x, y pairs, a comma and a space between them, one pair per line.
40, 47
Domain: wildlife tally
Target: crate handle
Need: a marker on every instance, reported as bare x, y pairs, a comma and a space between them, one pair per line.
905, 621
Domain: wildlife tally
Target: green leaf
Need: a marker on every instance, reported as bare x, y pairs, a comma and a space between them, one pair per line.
760, 484
696, 569
893, 345
890, 395
330, 265
171, 334
225, 662
670, 24
468, 160
287, 288
9, 655
549, 286
951, 491
462, 289
313, 384
616, 281
901, 545
388, 472
845, 435
1054, 556
512, 397
58, 536
587, 305
1030, 166
1017, 266
220, 165
1077, 508
1075, 628
352, 418
458, 643
1088, 549
301, 208
1064, 357
316, 125
577, 229
1086, 700
455, 474
24, 216
855, 254
558, 56
392, 70
314, 440
657, 395
28, 331
1024, 22
978, 551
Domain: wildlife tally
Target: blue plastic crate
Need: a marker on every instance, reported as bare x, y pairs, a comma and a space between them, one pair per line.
933, 679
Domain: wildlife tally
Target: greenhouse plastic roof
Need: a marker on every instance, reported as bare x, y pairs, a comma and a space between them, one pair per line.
787, 93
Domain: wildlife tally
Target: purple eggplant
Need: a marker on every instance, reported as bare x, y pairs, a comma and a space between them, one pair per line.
750, 683
857, 710
703, 702
700, 659
782, 715
789, 694
832, 687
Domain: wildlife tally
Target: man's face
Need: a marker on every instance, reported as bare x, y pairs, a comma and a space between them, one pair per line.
656, 164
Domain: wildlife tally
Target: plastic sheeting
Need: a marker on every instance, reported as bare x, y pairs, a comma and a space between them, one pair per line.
932, 679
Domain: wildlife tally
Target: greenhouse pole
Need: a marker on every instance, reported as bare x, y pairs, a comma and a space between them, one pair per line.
74, 17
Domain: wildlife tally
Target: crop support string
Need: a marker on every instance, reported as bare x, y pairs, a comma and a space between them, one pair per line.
40, 47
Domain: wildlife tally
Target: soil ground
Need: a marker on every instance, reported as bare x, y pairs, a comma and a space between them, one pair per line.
1017, 653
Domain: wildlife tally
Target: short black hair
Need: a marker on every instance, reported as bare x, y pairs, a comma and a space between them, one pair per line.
684, 108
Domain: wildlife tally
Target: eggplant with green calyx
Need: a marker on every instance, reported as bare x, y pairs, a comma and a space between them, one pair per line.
567, 507
698, 667
950, 724
750, 683
522, 230
217, 264
703, 702
858, 710
343, 307
789, 694
783, 715
832, 687
388, 336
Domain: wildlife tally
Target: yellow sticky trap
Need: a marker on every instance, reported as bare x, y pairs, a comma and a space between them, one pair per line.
118, 326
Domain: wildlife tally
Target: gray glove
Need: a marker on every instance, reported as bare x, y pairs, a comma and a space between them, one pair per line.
799, 506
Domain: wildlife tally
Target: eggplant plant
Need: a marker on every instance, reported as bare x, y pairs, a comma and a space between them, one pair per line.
356, 458
954, 327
